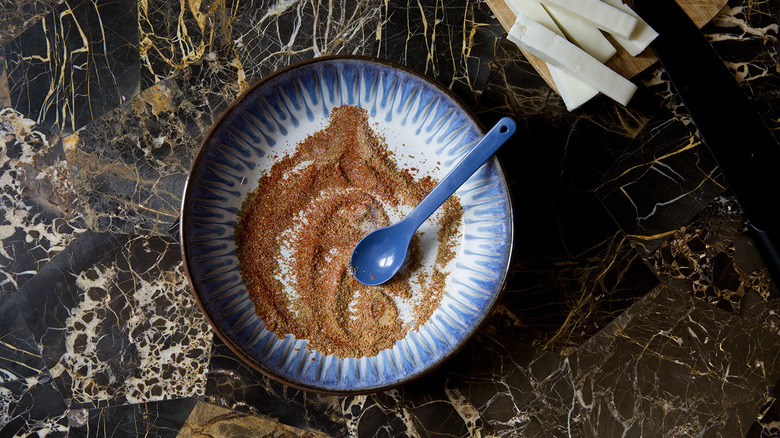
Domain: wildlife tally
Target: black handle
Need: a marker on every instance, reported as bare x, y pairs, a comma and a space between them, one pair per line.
767, 243
744, 148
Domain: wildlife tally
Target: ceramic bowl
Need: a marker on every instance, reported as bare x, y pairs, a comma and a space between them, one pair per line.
426, 127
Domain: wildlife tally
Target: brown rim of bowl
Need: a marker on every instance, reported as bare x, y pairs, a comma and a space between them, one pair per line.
238, 350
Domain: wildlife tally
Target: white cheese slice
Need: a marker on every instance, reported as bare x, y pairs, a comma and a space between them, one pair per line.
585, 35
643, 34
535, 11
599, 14
572, 90
559, 52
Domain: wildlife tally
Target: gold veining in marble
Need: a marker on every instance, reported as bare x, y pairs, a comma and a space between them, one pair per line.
173, 35
670, 364
69, 69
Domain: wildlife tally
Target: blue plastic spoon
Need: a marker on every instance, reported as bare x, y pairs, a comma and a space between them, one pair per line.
380, 254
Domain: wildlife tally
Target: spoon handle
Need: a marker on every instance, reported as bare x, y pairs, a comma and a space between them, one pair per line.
466, 167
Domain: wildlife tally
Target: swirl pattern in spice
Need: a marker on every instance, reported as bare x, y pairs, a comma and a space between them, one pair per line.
296, 233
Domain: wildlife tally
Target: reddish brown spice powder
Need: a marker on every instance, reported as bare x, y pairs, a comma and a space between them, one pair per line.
296, 233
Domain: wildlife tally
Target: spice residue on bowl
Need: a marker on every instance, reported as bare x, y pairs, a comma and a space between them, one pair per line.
297, 230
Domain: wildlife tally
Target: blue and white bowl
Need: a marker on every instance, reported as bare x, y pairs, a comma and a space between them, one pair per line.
426, 128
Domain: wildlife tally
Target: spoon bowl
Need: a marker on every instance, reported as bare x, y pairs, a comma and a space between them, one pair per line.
384, 250
381, 253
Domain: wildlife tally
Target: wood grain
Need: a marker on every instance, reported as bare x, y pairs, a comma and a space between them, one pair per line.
700, 11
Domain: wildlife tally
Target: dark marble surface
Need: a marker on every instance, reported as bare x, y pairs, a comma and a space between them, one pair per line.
636, 304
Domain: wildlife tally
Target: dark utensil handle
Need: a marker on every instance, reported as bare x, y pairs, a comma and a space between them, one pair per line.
768, 245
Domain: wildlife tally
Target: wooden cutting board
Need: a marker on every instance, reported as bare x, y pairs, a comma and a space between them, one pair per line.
700, 11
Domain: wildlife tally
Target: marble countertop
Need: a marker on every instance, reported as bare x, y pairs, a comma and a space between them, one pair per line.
636, 304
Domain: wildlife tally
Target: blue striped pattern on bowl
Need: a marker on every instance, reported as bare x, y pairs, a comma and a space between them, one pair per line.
426, 126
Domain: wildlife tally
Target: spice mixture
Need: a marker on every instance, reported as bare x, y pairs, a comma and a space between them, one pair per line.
297, 230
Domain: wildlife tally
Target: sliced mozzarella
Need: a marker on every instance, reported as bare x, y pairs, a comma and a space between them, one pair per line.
585, 35
643, 34
535, 11
599, 14
572, 90
559, 52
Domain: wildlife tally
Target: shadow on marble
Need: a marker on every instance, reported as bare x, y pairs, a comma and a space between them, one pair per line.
573, 269
671, 365
668, 154
662, 181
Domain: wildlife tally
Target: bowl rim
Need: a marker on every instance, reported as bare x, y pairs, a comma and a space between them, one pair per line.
237, 350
